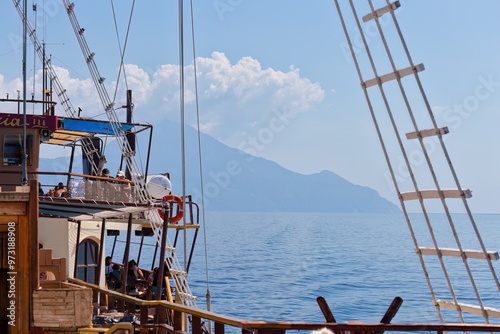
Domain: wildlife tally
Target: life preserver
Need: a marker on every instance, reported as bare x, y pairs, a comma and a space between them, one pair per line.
180, 208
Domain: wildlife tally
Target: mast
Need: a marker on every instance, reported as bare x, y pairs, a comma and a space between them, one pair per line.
24, 173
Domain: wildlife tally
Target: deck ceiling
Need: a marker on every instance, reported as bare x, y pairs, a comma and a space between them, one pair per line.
63, 137
81, 209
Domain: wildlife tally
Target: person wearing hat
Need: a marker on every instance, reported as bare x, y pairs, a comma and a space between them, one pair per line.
121, 176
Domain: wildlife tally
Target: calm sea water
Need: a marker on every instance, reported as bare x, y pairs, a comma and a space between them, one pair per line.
273, 266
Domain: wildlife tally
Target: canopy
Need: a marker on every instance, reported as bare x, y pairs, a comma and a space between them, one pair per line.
82, 209
73, 129
92, 126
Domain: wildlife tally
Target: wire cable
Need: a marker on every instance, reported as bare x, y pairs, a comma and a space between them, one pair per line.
200, 158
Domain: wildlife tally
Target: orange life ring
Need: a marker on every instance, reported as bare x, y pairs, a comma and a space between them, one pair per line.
180, 208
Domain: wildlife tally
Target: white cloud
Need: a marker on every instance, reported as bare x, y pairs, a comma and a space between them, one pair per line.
235, 99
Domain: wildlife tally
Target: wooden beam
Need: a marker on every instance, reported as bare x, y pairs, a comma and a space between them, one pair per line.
33, 242
432, 193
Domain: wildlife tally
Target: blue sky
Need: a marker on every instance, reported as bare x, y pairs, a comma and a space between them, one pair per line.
258, 59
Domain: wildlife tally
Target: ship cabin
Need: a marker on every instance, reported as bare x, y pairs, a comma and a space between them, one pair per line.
60, 221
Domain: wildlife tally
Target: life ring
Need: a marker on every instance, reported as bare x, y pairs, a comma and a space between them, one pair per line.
180, 208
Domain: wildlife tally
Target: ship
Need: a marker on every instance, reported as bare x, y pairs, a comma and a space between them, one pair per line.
52, 243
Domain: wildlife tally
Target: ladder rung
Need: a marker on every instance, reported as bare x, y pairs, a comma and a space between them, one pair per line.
427, 133
177, 272
446, 193
128, 154
90, 150
473, 309
186, 295
471, 254
384, 10
394, 75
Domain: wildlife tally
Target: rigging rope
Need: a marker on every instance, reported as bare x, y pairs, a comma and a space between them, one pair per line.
200, 158
34, 60
182, 114
425, 153
122, 51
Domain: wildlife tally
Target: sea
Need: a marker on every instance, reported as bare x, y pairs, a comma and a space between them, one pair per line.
273, 266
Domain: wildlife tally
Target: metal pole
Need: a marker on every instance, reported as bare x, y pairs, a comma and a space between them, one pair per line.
24, 173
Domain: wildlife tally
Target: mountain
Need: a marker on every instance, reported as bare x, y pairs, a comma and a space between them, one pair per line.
237, 181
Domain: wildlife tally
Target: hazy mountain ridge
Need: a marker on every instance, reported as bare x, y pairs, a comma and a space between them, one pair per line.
237, 181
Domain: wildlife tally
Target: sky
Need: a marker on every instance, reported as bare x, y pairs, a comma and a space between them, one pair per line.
275, 78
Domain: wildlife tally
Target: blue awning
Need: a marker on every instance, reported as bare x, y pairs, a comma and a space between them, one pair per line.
92, 126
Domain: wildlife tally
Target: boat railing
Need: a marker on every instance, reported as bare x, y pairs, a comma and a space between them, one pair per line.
169, 318
103, 189
98, 188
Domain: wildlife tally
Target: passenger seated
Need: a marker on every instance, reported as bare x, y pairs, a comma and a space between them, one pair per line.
114, 278
123, 188
121, 176
135, 277
154, 280
105, 172
60, 190
108, 266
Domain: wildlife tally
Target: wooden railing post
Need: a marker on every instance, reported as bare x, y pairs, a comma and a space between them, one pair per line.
178, 320
268, 331
144, 319
219, 328
196, 325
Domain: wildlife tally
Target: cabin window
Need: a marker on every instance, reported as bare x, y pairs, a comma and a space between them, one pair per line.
13, 149
87, 261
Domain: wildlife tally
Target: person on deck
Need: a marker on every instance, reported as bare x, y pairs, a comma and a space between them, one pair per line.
114, 277
154, 282
60, 190
121, 176
135, 271
105, 173
108, 266
124, 187
134, 275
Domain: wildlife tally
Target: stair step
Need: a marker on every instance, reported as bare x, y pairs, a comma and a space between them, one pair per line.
177, 272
